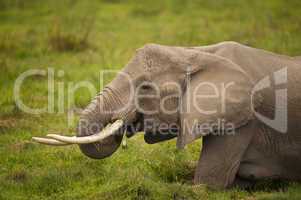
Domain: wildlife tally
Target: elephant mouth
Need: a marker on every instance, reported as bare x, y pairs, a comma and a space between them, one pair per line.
151, 137
60, 140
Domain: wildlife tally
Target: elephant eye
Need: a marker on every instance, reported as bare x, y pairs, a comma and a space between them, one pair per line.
146, 87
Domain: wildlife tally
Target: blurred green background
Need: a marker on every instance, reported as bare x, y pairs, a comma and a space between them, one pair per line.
83, 37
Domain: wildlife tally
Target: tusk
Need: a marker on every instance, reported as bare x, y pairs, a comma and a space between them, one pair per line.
51, 142
106, 132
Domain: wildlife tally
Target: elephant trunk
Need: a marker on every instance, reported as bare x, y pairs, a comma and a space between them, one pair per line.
96, 136
94, 119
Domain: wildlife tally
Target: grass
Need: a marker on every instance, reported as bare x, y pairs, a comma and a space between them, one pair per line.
83, 37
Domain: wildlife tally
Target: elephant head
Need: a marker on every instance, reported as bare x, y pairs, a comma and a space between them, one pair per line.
166, 92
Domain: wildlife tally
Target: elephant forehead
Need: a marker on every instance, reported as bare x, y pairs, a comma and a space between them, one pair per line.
159, 58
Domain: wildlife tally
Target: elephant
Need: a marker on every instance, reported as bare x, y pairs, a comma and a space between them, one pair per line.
244, 102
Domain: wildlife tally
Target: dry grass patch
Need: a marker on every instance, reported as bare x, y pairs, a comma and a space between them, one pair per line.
61, 40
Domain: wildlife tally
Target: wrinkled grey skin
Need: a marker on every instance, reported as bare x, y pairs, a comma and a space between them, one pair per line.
254, 152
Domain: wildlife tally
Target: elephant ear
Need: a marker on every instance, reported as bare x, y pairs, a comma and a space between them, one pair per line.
217, 98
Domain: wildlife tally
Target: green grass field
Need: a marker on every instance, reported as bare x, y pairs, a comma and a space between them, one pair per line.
83, 37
